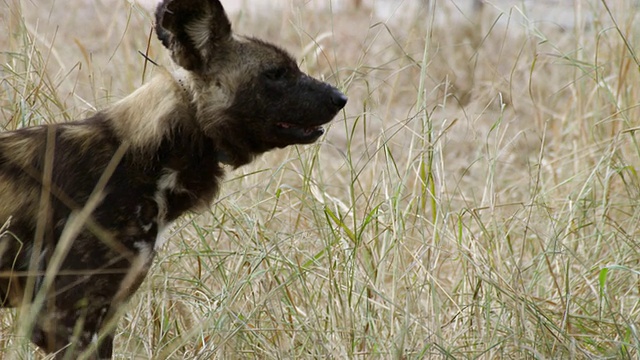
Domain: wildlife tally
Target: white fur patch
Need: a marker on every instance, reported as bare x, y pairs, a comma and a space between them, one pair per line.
146, 227
168, 182
161, 201
143, 247
161, 238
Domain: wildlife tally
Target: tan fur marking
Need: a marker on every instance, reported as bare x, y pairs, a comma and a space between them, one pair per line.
209, 97
15, 198
85, 135
208, 93
22, 149
142, 118
217, 99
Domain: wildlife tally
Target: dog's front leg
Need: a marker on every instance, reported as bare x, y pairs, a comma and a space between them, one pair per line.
80, 319
70, 331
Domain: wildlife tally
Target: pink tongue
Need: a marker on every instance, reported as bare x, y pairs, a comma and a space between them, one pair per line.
306, 130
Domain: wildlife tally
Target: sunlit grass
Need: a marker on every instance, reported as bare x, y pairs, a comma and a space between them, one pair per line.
478, 198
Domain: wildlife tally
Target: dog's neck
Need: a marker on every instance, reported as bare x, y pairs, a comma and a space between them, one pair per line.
147, 116
182, 79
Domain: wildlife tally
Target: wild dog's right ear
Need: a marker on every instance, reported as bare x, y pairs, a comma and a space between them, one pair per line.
195, 31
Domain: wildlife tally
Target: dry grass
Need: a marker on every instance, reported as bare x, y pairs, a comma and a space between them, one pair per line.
479, 197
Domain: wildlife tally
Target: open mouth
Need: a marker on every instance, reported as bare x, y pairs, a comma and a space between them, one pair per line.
301, 132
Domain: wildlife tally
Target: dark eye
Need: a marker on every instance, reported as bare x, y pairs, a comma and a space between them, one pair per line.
276, 73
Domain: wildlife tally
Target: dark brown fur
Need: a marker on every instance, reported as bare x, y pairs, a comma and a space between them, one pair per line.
85, 201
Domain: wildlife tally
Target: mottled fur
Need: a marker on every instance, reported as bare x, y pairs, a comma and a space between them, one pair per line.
85, 201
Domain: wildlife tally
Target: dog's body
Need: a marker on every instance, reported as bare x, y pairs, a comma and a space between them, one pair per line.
84, 202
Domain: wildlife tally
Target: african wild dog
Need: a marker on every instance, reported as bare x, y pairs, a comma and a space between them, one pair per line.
85, 201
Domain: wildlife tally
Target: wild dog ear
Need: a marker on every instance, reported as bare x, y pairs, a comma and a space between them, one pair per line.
195, 31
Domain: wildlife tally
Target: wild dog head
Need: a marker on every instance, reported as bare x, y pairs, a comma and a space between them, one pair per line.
249, 95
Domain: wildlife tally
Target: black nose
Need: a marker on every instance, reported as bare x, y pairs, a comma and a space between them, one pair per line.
338, 99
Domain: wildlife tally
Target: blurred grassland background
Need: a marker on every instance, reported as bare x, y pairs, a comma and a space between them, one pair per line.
478, 197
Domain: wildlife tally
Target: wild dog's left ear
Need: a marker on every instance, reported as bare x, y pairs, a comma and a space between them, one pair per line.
195, 31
